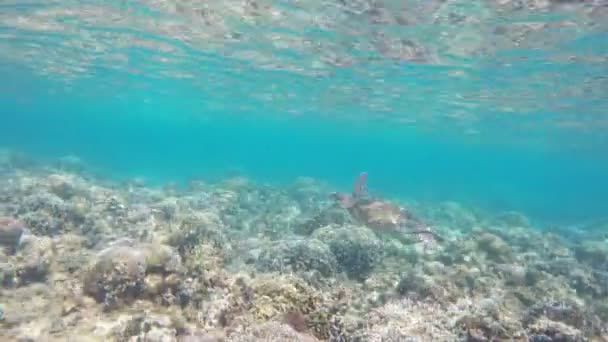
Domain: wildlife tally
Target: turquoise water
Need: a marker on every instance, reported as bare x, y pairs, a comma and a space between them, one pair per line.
504, 108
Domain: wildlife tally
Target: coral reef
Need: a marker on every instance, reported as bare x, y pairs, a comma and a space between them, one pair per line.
356, 249
240, 261
299, 255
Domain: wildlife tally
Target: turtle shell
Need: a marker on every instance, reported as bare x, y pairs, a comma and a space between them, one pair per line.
378, 214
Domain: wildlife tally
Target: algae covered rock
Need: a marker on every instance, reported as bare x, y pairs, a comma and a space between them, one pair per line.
123, 272
11, 231
8, 274
568, 317
357, 249
141, 326
545, 330
44, 213
488, 319
117, 275
270, 331
160, 258
514, 274
496, 249
414, 285
61, 185
168, 208
298, 255
274, 296
72, 255
196, 228
594, 253
332, 215
34, 258
406, 320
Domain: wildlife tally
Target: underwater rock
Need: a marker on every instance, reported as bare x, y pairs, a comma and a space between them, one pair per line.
395, 248
61, 185
270, 331
513, 274
332, 215
416, 286
217, 309
45, 201
496, 249
298, 255
43, 223
34, 258
116, 276
196, 228
46, 213
601, 308
357, 249
585, 281
109, 206
8, 274
139, 213
200, 199
527, 239
272, 297
204, 259
203, 337
570, 314
160, 258
96, 231
79, 211
137, 195
144, 326
250, 249
601, 277
166, 290
168, 207
469, 278
458, 252
123, 272
11, 231
214, 336
479, 326
558, 265
407, 320
32, 313
594, 253
545, 330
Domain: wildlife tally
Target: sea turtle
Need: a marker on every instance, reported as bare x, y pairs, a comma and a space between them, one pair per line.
380, 215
